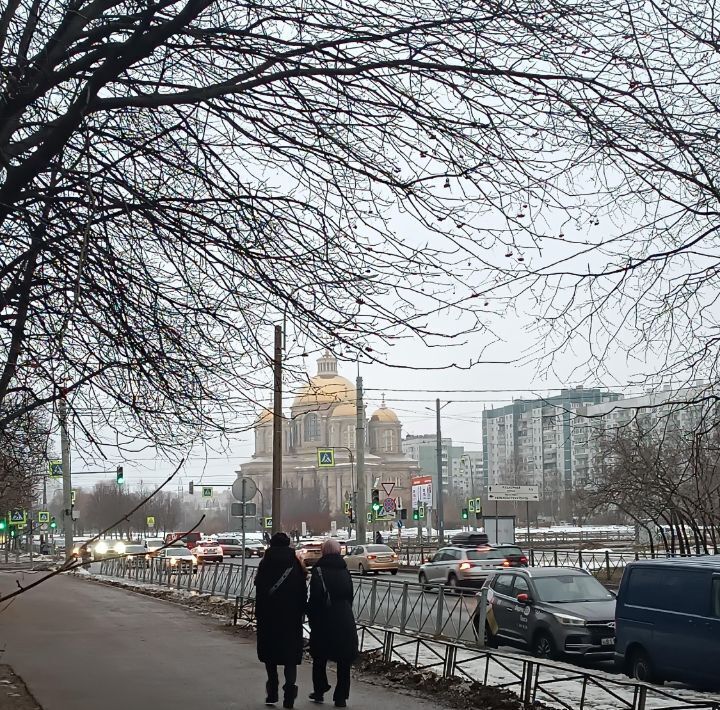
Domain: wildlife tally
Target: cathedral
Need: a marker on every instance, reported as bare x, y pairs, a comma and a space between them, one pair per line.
324, 415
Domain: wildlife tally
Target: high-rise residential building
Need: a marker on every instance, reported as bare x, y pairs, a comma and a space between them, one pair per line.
658, 413
530, 442
423, 449
467, 474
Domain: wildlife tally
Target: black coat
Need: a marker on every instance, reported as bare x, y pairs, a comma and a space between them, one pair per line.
280, 615
333, 635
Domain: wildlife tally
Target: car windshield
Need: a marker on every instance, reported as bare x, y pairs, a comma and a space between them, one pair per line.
134, 549
477, 554
378, 548
178, 552
570, 588
154, 544
509, 550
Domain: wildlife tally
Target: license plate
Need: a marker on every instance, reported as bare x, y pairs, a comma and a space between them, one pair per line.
608, 641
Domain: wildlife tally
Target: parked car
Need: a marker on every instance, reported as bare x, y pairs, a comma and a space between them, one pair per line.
668, 620
308, 553
208, 551
553, 611
231, 546
372, 558
178, 559
460, 566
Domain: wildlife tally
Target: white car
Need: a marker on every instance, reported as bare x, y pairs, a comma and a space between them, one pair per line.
208, 551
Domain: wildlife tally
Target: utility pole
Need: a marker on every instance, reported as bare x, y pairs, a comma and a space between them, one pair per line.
362, 502
277, 435
66, 477
438, 449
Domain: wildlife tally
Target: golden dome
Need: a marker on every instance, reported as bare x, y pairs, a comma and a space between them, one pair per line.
325, 390
266, 417
348, 409
384, 415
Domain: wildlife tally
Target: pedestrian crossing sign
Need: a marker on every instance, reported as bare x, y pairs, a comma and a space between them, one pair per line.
207, 491
55, 469
17, 516
267, 522
326, 458
43, 516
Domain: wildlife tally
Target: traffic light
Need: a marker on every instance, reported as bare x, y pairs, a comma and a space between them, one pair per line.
376, 500
403, 513
3, 524
421, 510
53, 523
416, 514
464, 513
191, 487
13, 532
119, 476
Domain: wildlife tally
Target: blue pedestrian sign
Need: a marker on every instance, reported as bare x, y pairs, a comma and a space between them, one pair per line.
400, 524
17, 516
55, 468
326, 458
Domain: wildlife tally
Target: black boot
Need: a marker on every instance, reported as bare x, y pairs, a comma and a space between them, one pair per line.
271, 691
290, 695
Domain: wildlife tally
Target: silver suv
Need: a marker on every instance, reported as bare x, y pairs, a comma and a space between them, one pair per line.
553, 611
459, 566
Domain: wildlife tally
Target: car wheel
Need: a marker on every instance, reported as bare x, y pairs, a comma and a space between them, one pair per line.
544, 646
641, 667
393, 572
361, 569
422, 578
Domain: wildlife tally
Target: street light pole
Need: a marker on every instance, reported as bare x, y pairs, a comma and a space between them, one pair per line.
277, 478
362, 502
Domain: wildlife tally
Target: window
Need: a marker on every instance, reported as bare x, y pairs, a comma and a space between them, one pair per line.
312, 427
521, 586
680, 590
503, 584
389, 441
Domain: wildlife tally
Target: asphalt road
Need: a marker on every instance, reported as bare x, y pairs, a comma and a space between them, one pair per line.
84, 646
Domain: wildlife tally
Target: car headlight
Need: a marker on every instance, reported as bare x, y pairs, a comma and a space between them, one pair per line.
173, 560
119, 548
101, 548
567, 620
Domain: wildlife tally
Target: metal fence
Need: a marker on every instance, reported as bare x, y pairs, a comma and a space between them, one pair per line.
431, 628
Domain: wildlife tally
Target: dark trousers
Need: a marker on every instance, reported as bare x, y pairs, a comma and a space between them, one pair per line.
272, 675
320, 680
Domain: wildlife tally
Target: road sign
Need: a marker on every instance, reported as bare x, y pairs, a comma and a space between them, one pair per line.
43, 516
389, 505
478, 505
267, 522
497, 492
207, 491
400, 524
250, 489
471, 505
388, 488
55, 468
422, 488
17, 516
326, 458
150, 521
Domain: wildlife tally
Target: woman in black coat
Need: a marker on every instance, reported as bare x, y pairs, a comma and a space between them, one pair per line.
280, 599
333, 636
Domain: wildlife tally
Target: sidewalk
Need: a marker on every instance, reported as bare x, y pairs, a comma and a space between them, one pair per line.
83, 646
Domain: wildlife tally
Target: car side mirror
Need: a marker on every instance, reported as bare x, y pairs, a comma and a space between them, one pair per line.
524, 599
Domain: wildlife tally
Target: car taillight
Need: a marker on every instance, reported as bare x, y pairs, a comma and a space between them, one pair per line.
465, 565
371, 557
506, 563
523, 560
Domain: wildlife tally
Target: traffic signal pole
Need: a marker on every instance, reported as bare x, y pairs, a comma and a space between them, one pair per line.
66, 477
439, 495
